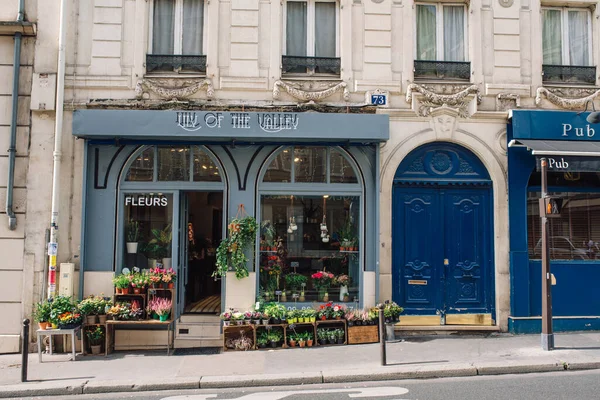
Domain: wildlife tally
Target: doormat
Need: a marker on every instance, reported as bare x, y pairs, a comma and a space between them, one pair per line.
197, 351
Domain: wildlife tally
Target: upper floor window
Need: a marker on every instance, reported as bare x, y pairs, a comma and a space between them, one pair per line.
441, 41
177, 36
311, 37
567, 44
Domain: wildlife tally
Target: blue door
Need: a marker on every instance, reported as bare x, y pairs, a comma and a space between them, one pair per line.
442, 251
442, 231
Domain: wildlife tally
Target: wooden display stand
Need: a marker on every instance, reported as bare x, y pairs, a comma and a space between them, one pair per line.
363, 334
146, 322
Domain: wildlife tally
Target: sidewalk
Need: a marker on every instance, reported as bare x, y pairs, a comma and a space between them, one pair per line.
416, 357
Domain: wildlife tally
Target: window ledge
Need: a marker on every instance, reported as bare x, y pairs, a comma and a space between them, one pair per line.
451, 81
173, 75
308, 78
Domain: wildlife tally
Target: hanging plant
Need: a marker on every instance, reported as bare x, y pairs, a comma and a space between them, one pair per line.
231, 251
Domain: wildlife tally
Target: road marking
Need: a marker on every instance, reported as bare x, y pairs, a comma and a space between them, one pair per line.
357, 392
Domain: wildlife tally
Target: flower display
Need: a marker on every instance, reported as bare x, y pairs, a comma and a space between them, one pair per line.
161, 306
69, 319
342, 280
322, 279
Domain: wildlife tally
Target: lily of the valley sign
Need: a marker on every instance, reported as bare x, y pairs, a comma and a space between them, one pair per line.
268, 122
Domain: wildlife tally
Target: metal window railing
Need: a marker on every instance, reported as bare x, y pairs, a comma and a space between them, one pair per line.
442, 69
568, 74
175, 62
317, 65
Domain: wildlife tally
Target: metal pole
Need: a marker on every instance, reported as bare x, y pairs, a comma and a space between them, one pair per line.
382, 334
25, 350
547, 334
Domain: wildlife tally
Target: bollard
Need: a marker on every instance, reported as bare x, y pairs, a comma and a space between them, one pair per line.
25, 350
382, 334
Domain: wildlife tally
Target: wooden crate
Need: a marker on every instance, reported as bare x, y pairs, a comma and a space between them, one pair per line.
363, 334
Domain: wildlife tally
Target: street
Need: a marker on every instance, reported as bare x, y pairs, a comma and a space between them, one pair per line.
546, 386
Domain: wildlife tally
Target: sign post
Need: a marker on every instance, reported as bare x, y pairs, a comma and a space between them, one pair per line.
547, 334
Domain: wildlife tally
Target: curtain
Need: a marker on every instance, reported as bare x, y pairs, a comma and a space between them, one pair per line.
325, 37
454, 33
193, 23
426, 47
163, 27
578, 38
295, 41
551, 37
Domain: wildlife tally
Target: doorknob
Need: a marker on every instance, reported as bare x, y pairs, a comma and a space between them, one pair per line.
446, 262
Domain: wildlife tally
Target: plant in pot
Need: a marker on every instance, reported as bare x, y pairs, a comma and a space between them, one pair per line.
231, 253
60, 305
243, 342
343, 281
161, 244
294, 282
69, 320
41, 314
121, 283
293, 338
226, 316
332, 336
262, 339
102, 305
340, 334
321, 281
301, 340
133, 236
139, 281
308, 336
162, 307
95, 337
322, 336
392, 312
169, 276
89, 308
274, 337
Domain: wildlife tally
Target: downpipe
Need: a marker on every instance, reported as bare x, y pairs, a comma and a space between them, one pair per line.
12, 149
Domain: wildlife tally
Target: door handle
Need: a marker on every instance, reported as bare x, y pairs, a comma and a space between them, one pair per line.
446, 263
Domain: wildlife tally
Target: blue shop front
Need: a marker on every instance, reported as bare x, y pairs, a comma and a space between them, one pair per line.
571, 146
160, 187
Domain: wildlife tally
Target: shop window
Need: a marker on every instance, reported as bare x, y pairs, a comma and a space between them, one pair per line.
204, 167
142, 168
575, 234
311, 42
177, 36
280, 169
147, 230
304, 235
173, 163
340, 169
567, 45
441, 41
310, 164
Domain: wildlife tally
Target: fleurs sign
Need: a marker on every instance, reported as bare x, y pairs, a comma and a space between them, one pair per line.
146, 201
268, 122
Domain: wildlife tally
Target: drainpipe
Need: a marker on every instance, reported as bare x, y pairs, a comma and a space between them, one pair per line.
58, 127
12, 149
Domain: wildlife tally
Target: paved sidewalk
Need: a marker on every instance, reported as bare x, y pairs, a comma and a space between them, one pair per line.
416, 357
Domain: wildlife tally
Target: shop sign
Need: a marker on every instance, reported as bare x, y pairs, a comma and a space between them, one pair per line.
268, 122
570, 164
553, 125
146, 201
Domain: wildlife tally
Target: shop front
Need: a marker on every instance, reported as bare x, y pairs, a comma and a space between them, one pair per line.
160, 188
572, 148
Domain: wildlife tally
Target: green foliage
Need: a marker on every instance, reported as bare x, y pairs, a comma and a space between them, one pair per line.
274, 335
231, 250
294, 281
133, 231
159, 246
42, 310
262, 337
121, 281
95, 335
60, 305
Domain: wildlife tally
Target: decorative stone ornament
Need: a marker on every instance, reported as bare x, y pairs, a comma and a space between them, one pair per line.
172, 88
506, 3
461, 101
568, 103
298, 91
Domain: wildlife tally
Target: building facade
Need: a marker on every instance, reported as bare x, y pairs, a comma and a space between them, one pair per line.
384, 120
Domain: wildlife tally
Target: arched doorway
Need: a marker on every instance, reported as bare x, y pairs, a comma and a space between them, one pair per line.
443, 235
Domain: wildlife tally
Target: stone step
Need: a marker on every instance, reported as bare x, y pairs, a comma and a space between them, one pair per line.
197, 330
199, 318
187, 343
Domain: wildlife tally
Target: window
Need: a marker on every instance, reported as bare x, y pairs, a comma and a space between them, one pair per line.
311, 39
566, 45
441, 41
575, 235
173, 163
177, 36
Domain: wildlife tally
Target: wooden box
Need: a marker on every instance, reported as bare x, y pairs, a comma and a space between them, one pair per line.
363, 334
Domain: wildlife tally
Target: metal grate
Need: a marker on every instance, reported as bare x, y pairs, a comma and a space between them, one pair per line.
317, 65
569, 73
175, 62
443, 69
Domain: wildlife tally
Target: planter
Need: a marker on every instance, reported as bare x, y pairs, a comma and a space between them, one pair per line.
274, 321
125, 291
322, 342
264, 321
163, 317
309, 342
302, 343
300, 320
97, 348
166, 263
332, 341
340, 341
273, 344
90, 319
293, 320
152, 263
102, 319
137, 290
132, 247
170, 285
43, 325
262, 345
53, 326
68, 326
292, 343
226, 323
313, 319
350, 323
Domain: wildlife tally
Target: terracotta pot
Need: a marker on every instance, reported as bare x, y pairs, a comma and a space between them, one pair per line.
171, 285
125, 291
302, 344
292, 343
309, 342
102, 319
118, 290
43, 325
137, 290
342, 248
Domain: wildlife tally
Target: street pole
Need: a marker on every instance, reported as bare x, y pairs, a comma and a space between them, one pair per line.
382, 335
547, 334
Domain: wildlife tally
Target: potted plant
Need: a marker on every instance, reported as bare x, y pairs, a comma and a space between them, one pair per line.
162, 307
95, 337
133, 236
343, 281
274, 337
392, 312
231, 250
169, 276
321, 281
340, 334
88, 307
121, 283
322, 336
294, 281
60, 305
331, 336
262, 339
293, 339
292, 316
69, 320
308, 336
161, 242
301, 340
311, 314
41, 314
243, 342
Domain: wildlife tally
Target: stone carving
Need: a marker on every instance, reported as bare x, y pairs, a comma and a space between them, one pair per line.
444, 120
173, 88
432, 100
565, 102
506, 3
507, 101
306, 90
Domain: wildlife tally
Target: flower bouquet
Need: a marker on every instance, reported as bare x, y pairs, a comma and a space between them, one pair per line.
322, 280
69, 320
162, 307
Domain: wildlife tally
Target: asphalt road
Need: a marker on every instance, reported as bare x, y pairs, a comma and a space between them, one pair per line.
571, 385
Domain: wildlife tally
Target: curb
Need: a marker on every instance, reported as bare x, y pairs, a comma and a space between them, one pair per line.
387, 373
